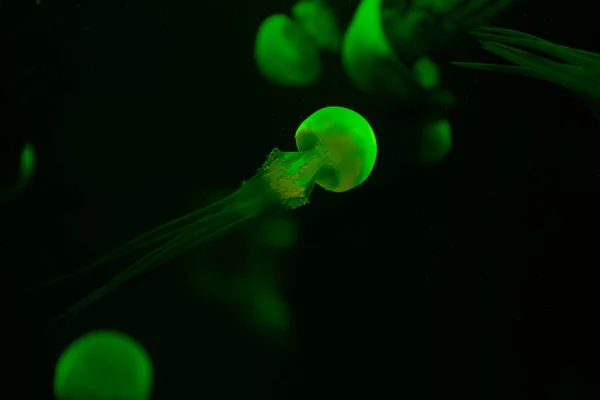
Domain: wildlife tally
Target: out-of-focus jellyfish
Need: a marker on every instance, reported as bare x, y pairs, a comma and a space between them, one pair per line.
336, 150
286, 50
103, 365
26, 171
436, 141
579, 70
424, 141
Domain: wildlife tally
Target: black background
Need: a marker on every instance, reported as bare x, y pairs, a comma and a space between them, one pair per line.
472, 279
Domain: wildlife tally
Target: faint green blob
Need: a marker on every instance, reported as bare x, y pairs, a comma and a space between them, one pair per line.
27, 162
103, 365
26, 172
278, 232
271, 310
437, 141
426, 73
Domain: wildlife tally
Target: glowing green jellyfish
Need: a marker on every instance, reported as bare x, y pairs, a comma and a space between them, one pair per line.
26, 172
103, 365
579, 71
286, 51
336, 150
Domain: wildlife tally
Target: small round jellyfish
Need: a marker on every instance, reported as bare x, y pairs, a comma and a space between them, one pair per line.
286, 50
336, 150
103, 365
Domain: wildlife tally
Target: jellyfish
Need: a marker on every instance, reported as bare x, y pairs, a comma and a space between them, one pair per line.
579, 70
389, 45
25, 174
336, 150
103, 365
286, 50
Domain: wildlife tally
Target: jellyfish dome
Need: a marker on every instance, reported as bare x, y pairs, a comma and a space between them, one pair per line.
348, 141
103, 365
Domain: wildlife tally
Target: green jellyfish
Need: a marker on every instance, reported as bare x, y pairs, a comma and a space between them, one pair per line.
25, 174
336, 150
286, 50
579, 70
389, 44
103, 365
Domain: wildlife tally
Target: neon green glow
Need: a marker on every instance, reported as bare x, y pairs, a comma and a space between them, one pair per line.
103, 365
336, 150
286, 51
580, 71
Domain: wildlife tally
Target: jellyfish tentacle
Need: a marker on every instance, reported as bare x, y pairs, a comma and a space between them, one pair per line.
156, 235
582, 58
165, 252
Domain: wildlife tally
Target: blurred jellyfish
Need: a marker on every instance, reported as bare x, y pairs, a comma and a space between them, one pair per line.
103, 365
436, 141
25, 174
425, 141
286, 50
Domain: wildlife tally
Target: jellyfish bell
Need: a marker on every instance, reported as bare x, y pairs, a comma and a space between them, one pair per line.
349, 142
103, 365
285, 53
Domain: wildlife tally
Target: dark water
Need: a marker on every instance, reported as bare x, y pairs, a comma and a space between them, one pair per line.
475, 278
